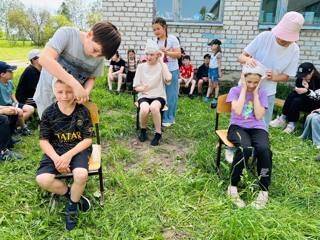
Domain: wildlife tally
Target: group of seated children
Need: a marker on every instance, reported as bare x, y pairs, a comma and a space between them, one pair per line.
13, 113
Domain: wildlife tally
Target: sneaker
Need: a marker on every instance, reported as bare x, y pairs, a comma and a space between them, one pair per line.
84, 204
206, 99
71, 215
24, 131
164, 124
261, 200
289, 129
191, 96
155, 141
10, 155
228, 155
214, 103
232, 192
143, 135
279, 122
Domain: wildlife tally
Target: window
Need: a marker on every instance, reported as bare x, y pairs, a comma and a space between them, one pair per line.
273, 10
190, 10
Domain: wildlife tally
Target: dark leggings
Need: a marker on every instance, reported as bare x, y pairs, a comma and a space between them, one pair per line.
5, 134
295, 103
251, 141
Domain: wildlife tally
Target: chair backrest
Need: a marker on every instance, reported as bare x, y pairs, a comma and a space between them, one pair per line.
94, 113
222, 107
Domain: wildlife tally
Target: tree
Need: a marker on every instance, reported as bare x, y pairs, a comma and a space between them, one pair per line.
64, 11
54, 23
203, 12
78, 12
17, 22
5, 7
95, 14
31, 22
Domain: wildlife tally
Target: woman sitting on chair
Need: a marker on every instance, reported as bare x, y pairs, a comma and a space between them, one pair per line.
149, 82
248, 133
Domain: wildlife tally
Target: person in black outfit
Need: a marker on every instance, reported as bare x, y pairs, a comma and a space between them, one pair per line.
29, 79
305, 97
116, 71
202, 73
6, 141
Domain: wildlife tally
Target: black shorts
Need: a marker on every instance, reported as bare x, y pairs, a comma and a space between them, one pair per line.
78, 161
150, 100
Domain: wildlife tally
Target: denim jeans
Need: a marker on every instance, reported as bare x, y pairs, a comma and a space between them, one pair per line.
172, 98
312, 128
268, 115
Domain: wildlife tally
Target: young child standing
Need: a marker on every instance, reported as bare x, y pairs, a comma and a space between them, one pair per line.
149, 82
248, 133
7, 98
76, 58
215, 71
186, 75
65, 139
132, 67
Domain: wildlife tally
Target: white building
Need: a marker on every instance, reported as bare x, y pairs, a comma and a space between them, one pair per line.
196, 22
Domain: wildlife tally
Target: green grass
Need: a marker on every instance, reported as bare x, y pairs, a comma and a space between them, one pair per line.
19, 52
157, 202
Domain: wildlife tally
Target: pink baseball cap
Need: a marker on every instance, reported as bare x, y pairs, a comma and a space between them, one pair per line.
288, 28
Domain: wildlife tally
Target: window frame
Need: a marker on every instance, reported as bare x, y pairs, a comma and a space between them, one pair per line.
282, 6
176, 12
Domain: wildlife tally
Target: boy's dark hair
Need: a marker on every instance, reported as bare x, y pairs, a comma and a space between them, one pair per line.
108, 36
248, 74
187, 57
117, 54
206, 56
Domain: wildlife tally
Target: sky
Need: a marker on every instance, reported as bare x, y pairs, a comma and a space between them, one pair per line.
50, 5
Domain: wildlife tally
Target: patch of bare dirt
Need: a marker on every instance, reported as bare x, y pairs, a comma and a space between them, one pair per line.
171, 154
174, 234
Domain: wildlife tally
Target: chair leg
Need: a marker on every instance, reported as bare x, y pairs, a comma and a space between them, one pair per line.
218, 157
101, 187
137, 121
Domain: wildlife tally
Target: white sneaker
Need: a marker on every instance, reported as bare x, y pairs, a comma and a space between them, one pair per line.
289, 129
232, 192
261, 200
166, 124
278, 122
228, 155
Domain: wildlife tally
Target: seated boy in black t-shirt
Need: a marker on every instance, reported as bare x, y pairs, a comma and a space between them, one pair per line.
202, 73
116, 71
65, 139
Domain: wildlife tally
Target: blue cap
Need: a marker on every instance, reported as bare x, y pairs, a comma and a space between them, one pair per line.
4, 67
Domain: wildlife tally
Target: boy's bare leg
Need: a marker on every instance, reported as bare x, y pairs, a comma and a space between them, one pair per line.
156, 115
143, 114
193, 85
48, 182
20, 120
119, 81
200, 83
110, 79
27, 111
210, 88
80, 176
179, 82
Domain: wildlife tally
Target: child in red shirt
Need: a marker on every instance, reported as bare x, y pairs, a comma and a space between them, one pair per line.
186, 75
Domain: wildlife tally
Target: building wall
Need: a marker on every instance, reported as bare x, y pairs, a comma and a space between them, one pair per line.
240, 26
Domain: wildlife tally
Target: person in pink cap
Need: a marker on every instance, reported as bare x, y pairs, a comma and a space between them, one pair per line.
277, 50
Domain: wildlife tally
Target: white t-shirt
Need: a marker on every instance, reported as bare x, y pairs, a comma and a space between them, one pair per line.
282, 60
172, 42
152, 75
214, 60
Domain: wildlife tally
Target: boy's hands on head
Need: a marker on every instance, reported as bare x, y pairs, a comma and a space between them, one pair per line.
243, 82
80, 94
269, 74
251, 62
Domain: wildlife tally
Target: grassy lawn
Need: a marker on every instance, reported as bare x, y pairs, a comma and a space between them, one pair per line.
165, 192
19, 52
